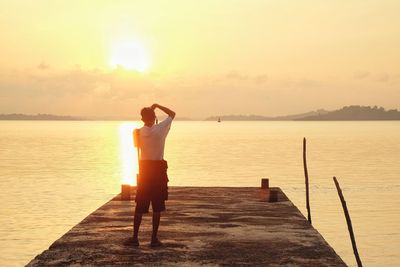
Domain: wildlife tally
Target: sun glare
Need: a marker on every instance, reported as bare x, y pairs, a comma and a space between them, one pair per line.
131, 55
128, 153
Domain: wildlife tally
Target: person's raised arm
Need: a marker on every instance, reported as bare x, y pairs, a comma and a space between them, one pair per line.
165, 109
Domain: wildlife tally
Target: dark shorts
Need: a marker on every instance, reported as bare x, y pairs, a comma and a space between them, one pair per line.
157, 205
152, 186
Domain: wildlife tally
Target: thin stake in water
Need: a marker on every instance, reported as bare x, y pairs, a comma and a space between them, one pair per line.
348, 220
306, 177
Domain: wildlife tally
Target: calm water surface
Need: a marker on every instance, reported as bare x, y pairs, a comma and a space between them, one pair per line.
53, 174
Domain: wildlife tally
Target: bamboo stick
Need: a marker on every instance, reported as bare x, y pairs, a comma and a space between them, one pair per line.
306, 177
348, 220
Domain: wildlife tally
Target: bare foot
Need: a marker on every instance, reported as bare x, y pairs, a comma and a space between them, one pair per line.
155, 243
131, 241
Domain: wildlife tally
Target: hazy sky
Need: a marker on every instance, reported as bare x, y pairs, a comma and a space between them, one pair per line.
200, 58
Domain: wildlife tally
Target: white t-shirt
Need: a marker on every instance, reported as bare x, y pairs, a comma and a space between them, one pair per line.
152, 140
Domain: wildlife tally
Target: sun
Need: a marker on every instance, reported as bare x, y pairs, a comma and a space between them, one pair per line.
131, 55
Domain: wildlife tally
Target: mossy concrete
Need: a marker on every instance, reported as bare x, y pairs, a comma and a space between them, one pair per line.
209, 226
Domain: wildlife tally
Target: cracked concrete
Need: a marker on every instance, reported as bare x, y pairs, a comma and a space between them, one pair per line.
209, 226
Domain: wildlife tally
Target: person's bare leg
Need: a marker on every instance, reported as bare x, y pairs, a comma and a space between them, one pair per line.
156, 224
136, 225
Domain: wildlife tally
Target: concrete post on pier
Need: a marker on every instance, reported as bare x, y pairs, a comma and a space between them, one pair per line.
271, 195
125, 192
264, 183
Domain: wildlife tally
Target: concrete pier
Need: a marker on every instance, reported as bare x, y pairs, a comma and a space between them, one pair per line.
209, 226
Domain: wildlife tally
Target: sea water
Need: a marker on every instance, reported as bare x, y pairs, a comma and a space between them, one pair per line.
55, 173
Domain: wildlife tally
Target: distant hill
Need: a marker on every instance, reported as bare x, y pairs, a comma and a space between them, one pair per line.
37, 117
355, 113
348, 113
264, 118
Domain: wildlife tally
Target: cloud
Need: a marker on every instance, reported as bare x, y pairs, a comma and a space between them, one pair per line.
361, 75
120, 92
383, 77
234, 75
238, 77
261, 78
43, 66
88, 92
117, 84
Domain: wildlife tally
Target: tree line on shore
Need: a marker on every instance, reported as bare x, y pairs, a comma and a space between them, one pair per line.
347, 113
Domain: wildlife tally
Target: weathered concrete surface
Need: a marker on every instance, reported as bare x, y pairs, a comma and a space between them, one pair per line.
203, 226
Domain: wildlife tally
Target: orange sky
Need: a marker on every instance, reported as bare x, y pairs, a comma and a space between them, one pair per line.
199, 57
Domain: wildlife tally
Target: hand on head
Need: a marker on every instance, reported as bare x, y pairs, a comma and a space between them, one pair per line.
169, 112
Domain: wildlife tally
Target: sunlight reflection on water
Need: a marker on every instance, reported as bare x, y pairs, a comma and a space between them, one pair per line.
129, 155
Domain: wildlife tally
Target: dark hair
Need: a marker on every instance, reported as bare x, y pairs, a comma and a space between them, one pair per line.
148, 114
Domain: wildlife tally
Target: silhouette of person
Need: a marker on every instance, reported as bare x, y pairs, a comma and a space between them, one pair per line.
152, 183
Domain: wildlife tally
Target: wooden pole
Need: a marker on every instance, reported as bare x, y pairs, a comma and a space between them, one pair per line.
306, 177
348, 220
